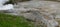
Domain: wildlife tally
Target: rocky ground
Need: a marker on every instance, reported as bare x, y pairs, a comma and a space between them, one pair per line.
35, 10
